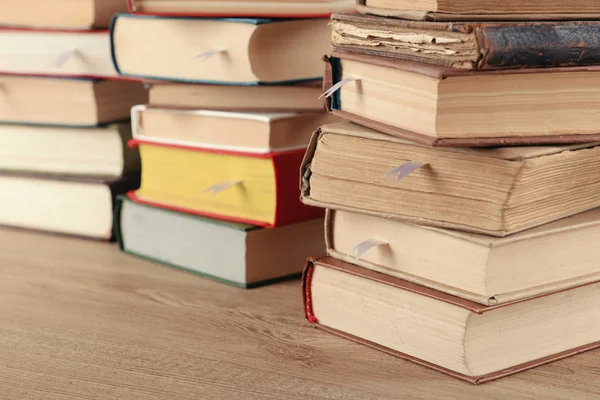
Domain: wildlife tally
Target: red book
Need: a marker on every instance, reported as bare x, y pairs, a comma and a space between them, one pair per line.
256, 189
224, 9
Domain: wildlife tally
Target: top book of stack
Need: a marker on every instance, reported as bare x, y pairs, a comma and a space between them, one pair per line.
60, 14
237, 8
482, 10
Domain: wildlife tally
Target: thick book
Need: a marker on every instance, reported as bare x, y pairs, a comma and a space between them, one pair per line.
223, 130
444, 106
241, 8
302, 97
479, 10
61, 53
92, 152
59, 14
496, 192
466, 340
470, 45
484, 269
64, 205
251, 188
237, 254
242, 51
67, 101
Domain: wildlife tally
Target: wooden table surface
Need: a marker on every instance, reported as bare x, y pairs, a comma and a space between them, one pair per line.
80, 320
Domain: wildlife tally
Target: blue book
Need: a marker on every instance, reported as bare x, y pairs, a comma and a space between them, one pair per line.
229, 51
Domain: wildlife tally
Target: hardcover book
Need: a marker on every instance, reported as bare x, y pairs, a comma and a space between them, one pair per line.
237, 254
473, 10
50, 150
467, 340
470, 45
60, 14
62, 53
233, 131
67, 102
242, 51
229, 8
65, 205
255, 189
497, 191
302, 97
454, 107
484, 269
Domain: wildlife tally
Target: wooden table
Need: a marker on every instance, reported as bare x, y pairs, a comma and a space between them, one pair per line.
80, 320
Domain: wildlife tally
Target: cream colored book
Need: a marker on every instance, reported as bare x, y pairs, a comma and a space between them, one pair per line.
60, 14
480, 268
271, 8
223, 130
493, 191
56, 53
223, 51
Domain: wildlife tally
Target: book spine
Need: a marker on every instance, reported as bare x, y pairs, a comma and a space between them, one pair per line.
289, 207
306, 291
538, 45
130, 6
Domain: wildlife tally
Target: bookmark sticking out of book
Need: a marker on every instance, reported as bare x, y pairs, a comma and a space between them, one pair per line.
220, 187
64, 57
329, 92
405, 170
208, 54
365, 246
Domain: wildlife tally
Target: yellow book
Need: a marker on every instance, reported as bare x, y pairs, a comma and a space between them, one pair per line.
260, 189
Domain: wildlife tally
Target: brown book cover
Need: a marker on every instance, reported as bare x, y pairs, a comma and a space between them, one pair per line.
469, 45
429, 15
333, 73
401, 284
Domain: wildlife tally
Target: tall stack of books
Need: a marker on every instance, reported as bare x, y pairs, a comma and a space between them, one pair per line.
63, 118
463, 196
233, 103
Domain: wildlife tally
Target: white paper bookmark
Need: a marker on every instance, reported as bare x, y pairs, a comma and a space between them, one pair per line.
64, 57
328, 93
220, 187
365, 246
405, 170
208, 54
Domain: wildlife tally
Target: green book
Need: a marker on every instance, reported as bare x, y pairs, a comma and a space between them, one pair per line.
237, 254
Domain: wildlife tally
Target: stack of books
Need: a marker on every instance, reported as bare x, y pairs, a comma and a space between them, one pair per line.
233, 103
463, 195
63, 118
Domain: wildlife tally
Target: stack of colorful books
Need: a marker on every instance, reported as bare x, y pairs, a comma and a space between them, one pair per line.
233, 103
463, 195
63, 119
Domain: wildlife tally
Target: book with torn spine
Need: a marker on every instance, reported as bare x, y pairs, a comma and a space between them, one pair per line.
60, 14
454, 107
497, 191
464, 339
251, 188
470, 45
230, 131
487, 270
62, 204
67, 101
57, 53
235, 51
241, 8
302, 97
237, 254
50, 150
481, 10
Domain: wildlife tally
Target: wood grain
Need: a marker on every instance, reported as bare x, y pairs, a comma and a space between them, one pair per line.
79, 320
